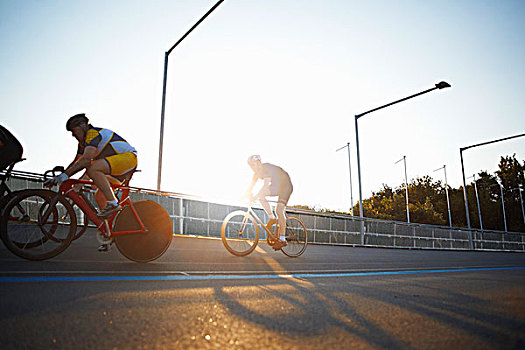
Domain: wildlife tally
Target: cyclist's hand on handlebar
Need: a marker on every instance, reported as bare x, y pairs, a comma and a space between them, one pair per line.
49, 183
56, 180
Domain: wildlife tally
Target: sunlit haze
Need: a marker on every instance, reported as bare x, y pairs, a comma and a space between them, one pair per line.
279, 78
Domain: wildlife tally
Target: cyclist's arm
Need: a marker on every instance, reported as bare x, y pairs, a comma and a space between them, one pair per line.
77, 157
82, 162
250, 188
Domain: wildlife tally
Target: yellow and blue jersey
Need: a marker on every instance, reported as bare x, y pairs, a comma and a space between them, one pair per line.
107, 143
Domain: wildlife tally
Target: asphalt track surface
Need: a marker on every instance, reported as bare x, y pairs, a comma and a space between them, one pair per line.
197, 296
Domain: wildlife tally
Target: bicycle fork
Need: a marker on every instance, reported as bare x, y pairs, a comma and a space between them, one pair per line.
43, 217
243, 225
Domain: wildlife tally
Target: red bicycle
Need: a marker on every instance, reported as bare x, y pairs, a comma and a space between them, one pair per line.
142, 230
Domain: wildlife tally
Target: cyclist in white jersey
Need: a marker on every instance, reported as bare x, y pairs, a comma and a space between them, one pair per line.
276, 183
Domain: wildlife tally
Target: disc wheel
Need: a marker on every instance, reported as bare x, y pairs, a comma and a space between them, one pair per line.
296, 237
239, 233
33, 230
144, 246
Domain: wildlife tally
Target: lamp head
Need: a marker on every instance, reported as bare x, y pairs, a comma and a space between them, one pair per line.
442, 85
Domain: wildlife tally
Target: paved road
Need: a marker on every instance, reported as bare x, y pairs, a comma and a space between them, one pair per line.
199, 296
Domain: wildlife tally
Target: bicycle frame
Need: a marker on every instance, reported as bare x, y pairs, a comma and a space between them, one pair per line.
85, 205
4, 189
259, 221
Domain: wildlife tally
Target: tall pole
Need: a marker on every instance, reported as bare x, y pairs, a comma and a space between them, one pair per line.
166, 54
521, 199
477, 201
350, 174
440, 85
362, 223
350, 171
503, 205
444, 167
463, 173
404, 159
161, 140
471, 244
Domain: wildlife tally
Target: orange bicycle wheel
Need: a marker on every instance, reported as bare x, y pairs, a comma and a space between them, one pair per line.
296, 237
144, 246
239, 233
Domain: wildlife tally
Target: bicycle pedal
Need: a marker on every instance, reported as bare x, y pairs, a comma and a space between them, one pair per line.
109, 210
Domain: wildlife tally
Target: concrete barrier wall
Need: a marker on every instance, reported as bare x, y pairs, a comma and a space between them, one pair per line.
197, 217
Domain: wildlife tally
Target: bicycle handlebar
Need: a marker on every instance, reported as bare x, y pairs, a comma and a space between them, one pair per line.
53, 171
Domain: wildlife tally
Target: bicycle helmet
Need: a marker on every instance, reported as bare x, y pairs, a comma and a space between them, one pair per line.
76, 120
254, 158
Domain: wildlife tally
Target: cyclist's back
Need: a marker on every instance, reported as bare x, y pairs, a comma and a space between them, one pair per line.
107, 142
10, 148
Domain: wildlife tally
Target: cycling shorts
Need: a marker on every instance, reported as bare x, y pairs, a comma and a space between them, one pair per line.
121, 164
282, 188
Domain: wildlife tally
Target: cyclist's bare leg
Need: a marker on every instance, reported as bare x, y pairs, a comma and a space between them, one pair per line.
84, 176
261, 196
100, 198
267, 207
97, 172
281, 217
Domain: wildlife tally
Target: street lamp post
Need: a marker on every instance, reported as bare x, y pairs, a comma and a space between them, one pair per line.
166, 54
503, 204
404, 159
477, 201
350, 171
444, 167
440, 85
465, 184
520, 189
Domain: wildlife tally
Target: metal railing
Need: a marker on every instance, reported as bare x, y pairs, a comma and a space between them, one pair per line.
194, 216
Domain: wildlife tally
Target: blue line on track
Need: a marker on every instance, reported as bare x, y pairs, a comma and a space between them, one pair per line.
238, 277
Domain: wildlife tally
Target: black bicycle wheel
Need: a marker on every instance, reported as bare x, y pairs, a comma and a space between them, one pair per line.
82, 221
32, 230
240, 233
144, 246
18, 213
6, 198
296, 237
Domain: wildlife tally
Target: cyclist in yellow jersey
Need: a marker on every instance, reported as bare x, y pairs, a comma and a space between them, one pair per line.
103, 154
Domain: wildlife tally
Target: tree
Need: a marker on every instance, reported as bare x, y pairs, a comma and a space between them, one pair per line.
428, 200
510, 174
424, 204
490, 202
428, 203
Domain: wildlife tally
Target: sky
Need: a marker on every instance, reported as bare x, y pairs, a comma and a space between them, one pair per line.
279, 78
